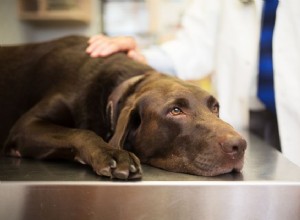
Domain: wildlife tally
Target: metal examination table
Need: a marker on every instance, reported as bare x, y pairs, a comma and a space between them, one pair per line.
268, 188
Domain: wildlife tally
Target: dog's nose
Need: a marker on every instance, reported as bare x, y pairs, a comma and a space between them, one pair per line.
233, 145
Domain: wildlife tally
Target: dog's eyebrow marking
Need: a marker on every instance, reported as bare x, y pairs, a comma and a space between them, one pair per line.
182, 102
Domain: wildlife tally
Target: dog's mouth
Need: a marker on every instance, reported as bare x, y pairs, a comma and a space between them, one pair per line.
201, 165
215, 169
230, 169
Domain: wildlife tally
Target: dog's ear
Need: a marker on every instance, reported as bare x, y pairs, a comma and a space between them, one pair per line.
117, 97
128, 119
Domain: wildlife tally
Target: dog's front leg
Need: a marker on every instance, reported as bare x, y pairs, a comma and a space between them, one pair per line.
38, 138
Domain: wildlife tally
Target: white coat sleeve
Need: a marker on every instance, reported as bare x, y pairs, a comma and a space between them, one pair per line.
191, 54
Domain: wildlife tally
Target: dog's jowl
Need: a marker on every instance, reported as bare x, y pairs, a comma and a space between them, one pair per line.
110, 113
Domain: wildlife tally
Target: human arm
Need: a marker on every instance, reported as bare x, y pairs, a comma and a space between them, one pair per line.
190, 55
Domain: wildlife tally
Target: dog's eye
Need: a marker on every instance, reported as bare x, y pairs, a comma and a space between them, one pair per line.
215, 108
176, 111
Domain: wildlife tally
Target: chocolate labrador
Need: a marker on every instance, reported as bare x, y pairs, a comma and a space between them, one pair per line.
110, 113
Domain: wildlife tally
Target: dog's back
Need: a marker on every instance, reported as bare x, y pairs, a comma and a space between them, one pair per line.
30, 72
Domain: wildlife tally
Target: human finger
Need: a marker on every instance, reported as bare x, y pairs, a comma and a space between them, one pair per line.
137, 56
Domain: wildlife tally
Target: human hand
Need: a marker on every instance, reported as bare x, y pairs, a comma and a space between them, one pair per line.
102, 46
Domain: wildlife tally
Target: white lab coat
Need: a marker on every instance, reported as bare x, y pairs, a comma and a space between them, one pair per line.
222, 37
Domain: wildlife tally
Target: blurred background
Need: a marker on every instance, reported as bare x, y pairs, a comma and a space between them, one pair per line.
23, 21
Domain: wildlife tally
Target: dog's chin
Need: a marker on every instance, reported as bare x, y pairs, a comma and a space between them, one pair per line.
200, 168
220, 172
223, 169
214, 166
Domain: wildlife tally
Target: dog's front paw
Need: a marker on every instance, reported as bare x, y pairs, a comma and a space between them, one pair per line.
117, 164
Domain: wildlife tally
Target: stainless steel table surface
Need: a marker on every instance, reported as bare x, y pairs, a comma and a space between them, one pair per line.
267, 188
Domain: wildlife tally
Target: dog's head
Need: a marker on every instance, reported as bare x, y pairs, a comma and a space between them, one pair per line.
175, 126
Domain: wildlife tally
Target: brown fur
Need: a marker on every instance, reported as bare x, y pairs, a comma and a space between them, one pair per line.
111, 113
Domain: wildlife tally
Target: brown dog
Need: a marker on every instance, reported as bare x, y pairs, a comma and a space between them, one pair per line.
57, 102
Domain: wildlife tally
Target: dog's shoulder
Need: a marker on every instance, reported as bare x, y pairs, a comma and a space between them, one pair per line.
71, 40
68, 42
